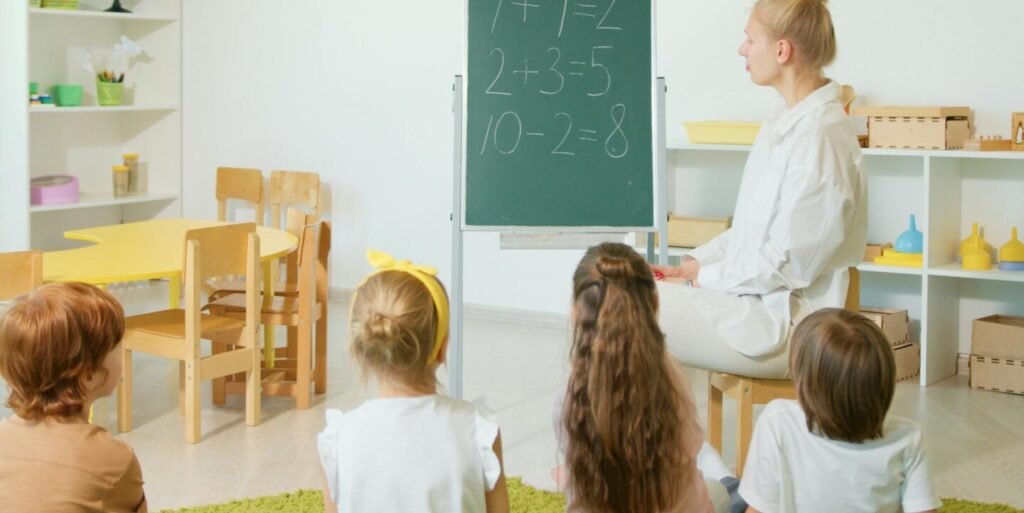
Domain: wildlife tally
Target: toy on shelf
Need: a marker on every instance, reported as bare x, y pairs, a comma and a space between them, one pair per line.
975, 257
910, 241
1011, 255
988, 143
908, 250
1017, 131
970, 241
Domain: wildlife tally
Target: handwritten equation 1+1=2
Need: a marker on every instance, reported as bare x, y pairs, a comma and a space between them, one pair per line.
549, 75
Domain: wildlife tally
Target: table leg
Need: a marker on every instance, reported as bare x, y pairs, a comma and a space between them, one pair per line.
268, 331
174, 291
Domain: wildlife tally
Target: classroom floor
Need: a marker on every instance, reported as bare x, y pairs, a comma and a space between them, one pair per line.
974, 438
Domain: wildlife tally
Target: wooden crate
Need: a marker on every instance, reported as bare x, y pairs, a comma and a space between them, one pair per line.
690, 232
933, 128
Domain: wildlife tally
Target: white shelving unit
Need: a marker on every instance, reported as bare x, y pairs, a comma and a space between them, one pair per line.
86, 141
947, 191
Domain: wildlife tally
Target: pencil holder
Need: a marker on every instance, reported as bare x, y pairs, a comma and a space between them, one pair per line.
109, 93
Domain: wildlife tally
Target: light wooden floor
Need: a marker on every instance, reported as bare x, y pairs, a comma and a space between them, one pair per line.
975, 439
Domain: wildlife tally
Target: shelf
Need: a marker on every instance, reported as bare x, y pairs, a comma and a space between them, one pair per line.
37, 11
96, 108
104, 200
889, 269
994, 274
883, 152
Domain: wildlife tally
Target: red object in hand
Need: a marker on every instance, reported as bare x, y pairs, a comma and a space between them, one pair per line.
658, 275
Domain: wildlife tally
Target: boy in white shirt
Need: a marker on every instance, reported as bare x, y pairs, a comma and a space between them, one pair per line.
834, 449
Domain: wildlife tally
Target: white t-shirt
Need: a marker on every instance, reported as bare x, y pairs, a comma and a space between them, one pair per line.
428, 453
790, 470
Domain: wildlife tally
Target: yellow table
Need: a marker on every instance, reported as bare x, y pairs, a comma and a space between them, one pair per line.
150, 250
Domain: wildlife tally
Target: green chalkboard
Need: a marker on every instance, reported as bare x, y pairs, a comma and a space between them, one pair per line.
558, 114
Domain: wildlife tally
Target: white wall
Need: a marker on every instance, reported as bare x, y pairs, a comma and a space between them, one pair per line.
13, 127
361, 93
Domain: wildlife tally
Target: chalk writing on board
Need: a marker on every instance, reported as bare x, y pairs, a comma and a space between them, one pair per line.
558, 114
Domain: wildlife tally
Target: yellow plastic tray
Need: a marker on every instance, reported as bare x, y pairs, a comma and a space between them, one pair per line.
721, 132
895, 258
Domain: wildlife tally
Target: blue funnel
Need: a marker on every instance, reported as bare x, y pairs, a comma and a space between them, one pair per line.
910, 241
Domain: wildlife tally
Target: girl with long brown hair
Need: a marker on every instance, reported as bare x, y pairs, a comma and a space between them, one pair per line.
629, 427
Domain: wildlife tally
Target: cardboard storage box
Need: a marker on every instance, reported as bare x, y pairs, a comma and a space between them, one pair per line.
998, 336
997, 374
908, 361
931, 128
690, 232
894, 323
872, 251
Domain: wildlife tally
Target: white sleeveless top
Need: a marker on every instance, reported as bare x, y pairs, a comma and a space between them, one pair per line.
428, 453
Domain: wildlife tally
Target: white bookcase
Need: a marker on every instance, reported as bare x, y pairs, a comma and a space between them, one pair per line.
946, 190
86, 141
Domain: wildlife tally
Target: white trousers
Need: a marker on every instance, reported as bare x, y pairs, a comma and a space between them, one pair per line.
693, 340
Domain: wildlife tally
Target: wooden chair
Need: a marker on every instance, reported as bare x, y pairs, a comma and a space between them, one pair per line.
290, 188
242, 184
20, 273
748, 391
176, 333
294, 369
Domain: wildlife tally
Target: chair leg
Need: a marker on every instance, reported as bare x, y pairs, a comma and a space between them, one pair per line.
293, 340
714, 415
181, 388
304, 366
253, 388
320, 367
124, 393
745, 424
193, 429
219, 389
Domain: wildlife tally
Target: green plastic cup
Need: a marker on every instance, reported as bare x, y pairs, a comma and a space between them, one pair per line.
109, 93
67, 95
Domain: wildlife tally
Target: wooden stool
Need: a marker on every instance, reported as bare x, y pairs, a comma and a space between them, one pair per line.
750, 391
747, 392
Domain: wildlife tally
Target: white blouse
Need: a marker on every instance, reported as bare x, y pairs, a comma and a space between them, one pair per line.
428, 453
800, 222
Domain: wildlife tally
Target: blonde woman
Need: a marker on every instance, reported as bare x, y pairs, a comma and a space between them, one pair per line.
801, 214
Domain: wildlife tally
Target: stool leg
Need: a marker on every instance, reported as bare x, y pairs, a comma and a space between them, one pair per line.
745, 424
714, 416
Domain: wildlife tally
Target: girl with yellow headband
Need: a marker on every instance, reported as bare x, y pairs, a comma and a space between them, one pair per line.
411, 449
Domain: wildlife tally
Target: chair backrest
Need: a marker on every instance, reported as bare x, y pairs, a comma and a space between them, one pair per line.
243, 184
20, 273
296, 221
323, 259
314, 255
232, 249
220, 250
293, 188
853, 291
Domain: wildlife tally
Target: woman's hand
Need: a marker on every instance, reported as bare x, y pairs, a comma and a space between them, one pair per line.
686, 271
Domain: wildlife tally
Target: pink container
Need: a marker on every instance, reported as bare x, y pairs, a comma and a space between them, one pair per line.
54, 189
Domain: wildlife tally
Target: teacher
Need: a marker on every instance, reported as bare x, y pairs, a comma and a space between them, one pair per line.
801, 214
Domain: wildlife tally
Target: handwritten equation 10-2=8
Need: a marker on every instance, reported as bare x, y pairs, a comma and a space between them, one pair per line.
505, 132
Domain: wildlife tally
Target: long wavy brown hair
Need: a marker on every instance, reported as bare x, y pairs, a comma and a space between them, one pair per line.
627, 414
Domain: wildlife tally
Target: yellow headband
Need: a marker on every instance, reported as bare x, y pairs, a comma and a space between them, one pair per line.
426, 275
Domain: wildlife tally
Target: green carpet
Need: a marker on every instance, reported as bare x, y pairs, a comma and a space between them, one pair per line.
523, 498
